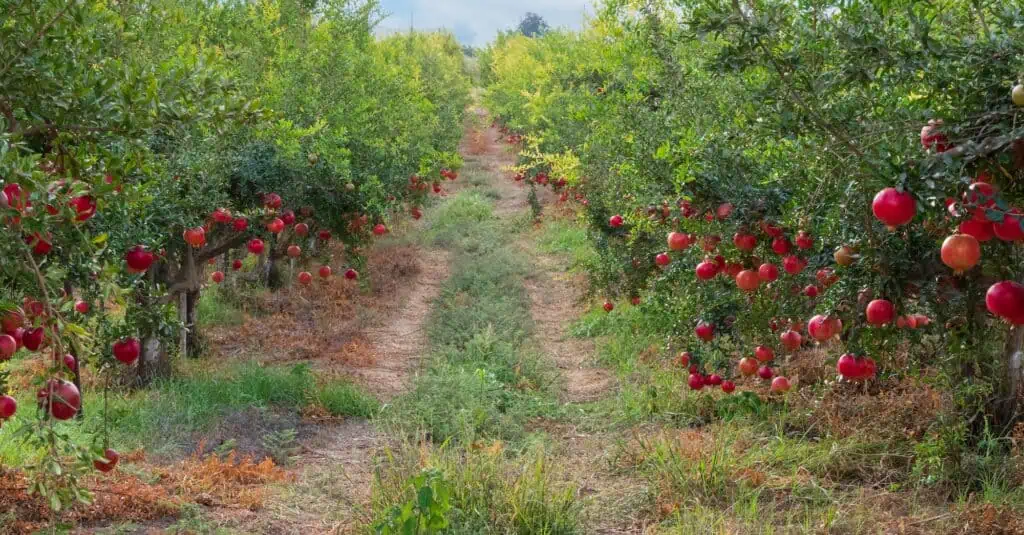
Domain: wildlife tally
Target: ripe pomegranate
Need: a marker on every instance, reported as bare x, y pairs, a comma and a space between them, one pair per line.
294, 251
324, 235
744, 241
733, 269
84, 206
217, 277
684, 358
301, 229
635, 300
880, 311
288, 217
894, 208
33, 339
615, 221
981, 230
960, 252
811, 291
848, 367
980, 197
40, 245
11, 320
109, 461
770, 229
764, 372
695, 381
822, 328
793, 264
70, 362
748, 280
127, 350
379, 229
19, 335
81, 307
763, 353
781, 245
844, 256
780, 385
276, 226
804, 240
8, 346
707, 270
62, 397
748, 366
8, 406
921, 320
305, 278
255, 246
1006, 300
932, 137
351, 274
826, 277
723, 210
713, 380
705, 331
677, 241
240, 224
791, 339
236, 265
662, 259
768, 272
694, 369
325, 272
1009, 228
608, 306
272, 201
221, 215
196, 237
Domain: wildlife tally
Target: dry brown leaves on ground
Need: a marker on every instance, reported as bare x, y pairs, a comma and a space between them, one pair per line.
227, 482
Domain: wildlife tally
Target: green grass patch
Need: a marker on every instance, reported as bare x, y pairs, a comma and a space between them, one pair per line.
215, 307
565, 237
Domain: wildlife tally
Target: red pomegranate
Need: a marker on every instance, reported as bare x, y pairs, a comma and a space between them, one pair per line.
822, 328
1006, 300
826, 277
768, 272
981, 230
707, 270
793, 264
615, 221
933, 138
684, 358
695, 381
276, 225
1009, 228
288, 217
301, 229
733, 269
217, 277
781, 245
127, 350
139, 259
791, 339
748, 366
713, 380
744, 241
84, 207
325, 272
294, 251
221, 215
380, 229
109, 461
728, 387
780, 385
848, 367
236, 265
240, 224
960, 252
662, 259
351, 274
705, 331
748, 280
677, 241
880, 311
272, 201
763, 353
804, 240
8, 346
305, 278
765, 372
723, 210
255, 246
196, 237
811, 291
62, 397
893, 207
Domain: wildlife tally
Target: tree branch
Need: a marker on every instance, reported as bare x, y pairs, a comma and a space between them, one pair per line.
46, 27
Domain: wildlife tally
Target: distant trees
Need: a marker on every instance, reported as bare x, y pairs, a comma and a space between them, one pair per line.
533, 25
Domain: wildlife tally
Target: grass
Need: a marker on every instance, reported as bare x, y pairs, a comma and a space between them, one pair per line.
215, 308
168, 418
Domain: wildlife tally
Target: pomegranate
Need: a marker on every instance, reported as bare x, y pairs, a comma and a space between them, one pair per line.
707, 270
844, 256
811, 291
728, 387
84, 206
240, 224
127, 350
960, 252
662, 259
40, 245
301, 229
221, 215
804, 240
770, 229
695, 381
305, 278
255, 246
196, 237
8, 406
684, 358
276, 226
324, 235
893, 207
763, 354
325, 272
677, 241
822, 328
933, 138
793, 264
635, 300
791, 339
781, 245
981, 230
8, 346
81, 307
109, 461
764, 372
351, 274
294, 251
848, 367
1006, 300
33, 339
723, 210
982, 197
705, 331
608, 306
733, 269
272, 201
744, 241
768, 272
380, 229
780, 385
748, 366
70, 362
880, 311
748, 280
615, 221
217, 277
11, 320
288, 217
236, 265
62, 397
1009, 228
713, 380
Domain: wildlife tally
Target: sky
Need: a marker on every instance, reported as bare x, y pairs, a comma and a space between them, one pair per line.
476, 22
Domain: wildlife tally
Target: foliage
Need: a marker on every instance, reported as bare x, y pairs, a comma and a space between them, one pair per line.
533, 25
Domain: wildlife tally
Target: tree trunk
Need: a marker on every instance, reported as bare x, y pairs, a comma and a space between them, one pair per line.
154, 362
1013, 356
192, 348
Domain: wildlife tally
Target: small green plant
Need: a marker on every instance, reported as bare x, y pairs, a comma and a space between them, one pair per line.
426, 513
281, 446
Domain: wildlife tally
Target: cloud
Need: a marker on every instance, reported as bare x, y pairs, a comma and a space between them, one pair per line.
476, 22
